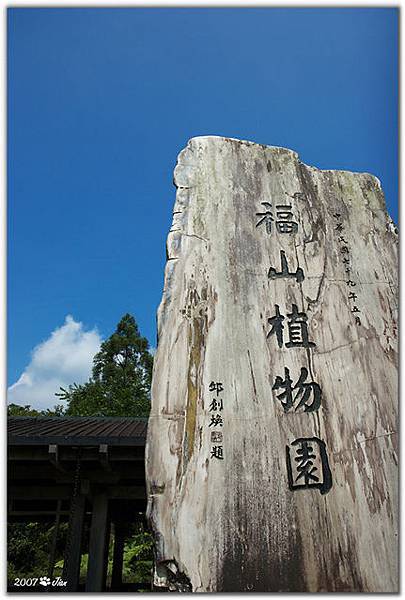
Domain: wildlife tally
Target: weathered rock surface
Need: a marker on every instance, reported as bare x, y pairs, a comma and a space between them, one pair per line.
240, 522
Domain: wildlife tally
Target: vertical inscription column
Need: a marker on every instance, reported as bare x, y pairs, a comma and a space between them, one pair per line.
306, 458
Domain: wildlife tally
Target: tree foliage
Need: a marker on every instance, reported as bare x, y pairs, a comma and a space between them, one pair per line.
137, 559
121, 377
28, 547
16, 410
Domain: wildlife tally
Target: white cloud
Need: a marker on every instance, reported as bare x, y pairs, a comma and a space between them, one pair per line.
64, 358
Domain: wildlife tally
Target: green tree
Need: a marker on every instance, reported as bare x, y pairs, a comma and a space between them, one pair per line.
121, 378
16, 410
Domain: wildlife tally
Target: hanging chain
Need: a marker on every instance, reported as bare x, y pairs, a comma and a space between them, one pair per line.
77, 476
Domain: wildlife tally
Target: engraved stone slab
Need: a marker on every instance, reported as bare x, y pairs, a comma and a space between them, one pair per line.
272, 449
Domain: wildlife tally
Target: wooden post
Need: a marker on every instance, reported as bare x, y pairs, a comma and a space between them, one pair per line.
118, 557
54, 540
96, 570
106, 552
73, 551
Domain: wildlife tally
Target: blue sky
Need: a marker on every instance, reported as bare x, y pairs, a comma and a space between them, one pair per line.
101, 101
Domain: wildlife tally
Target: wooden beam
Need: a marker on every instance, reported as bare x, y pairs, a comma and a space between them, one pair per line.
37, 472
32, 492
36, 513
63, 492
103, 457
66, 453
53, 455
127, 492
74, 440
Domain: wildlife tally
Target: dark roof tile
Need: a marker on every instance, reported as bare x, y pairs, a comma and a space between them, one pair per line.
121, 431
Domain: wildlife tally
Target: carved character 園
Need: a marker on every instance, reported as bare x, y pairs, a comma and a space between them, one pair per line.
308, 466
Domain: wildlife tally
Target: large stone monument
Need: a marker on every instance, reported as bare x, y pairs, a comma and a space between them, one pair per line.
272, 445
